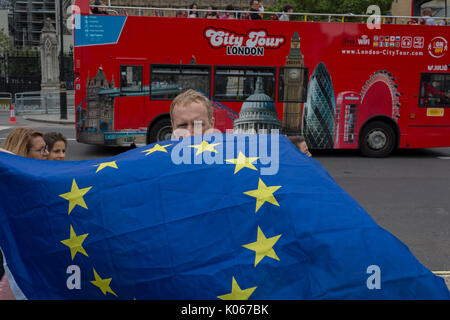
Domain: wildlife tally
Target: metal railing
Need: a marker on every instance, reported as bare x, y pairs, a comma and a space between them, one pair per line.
42, 102
330, 17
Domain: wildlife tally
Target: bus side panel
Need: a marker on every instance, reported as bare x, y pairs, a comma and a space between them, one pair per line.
381, 65
131, 111
154, 109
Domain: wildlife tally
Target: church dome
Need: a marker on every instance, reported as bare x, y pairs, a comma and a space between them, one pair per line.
257, 112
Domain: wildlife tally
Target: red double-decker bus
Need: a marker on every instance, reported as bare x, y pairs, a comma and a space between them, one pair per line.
340, 84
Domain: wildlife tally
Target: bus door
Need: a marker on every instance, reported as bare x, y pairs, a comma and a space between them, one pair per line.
131, 102
429, 123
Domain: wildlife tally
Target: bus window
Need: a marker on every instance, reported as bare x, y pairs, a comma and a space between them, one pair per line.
167, 81
435, 90
437, 9
238, 83
292, 84
130, 78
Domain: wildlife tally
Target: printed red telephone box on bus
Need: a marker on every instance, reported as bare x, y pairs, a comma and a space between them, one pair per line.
347, 122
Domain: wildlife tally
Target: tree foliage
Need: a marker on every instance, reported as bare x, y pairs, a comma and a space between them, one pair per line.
334, 6
5, 43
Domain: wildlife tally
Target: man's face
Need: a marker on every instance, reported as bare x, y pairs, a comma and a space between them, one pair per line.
186, 116
255, 5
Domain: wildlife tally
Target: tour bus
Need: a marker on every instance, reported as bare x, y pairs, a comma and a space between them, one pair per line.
341, 85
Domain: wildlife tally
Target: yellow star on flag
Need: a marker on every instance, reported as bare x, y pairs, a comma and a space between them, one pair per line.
103, 284
75, 243
263, 247
103, 165
243, 162
204, 146
157, 147
263, 194
236, 292
75, 196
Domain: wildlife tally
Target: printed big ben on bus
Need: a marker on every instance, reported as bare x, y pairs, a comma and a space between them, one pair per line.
294, 93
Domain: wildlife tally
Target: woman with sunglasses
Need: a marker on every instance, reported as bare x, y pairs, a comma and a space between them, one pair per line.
26, 142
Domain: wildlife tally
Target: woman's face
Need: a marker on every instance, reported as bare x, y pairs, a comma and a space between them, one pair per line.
38, 149
58, 151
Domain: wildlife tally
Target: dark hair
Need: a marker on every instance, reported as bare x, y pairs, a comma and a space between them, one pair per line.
229, 7
296, 139
214, 13
192, 10
251, 2
286, 7
52, 137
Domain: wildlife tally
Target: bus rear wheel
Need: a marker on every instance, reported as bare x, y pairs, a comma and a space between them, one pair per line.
159, 131
377, 140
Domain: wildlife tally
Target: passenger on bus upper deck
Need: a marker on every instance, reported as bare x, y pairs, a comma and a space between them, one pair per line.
287, 10
428, 19
99, 10
389, 19
254, 6
193, 13
228, 15
260, 7
212, 14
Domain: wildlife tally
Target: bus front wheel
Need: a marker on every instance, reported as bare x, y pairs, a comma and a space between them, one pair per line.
159, 131
377, 139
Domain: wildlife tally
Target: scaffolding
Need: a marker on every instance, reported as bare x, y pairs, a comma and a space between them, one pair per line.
28, 20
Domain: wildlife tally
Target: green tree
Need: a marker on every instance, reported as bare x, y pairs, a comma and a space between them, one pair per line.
333, 6
5, 43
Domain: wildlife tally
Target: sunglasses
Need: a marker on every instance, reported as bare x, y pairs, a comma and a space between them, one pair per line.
42, 150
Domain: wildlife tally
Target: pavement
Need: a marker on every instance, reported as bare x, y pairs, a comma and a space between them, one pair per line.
51, 118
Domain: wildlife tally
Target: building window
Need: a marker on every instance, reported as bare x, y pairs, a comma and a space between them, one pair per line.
167, 81
434, 90
238, 83
130, 79
292, 84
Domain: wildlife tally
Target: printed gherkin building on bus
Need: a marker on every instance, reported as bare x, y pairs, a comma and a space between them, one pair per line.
319, 110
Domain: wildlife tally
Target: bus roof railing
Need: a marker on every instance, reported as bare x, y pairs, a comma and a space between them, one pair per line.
340, 16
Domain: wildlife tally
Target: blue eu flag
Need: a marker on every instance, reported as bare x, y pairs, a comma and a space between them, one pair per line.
215, 217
